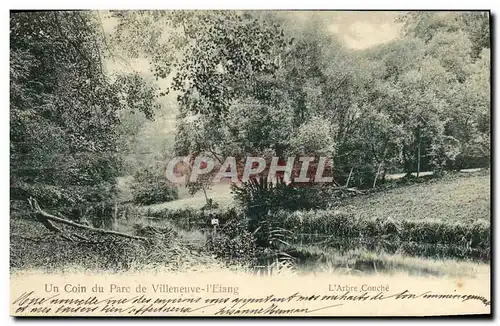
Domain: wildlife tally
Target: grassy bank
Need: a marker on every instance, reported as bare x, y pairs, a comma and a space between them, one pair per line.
443, 220
457, 198
440, 218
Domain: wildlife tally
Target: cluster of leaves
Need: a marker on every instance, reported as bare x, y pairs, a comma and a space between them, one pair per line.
258, 193
229, 47
259, 199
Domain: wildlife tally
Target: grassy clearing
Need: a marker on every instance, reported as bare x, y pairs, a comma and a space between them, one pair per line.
464, 198
220, 193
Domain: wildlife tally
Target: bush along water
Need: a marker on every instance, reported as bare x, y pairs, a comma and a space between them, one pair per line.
429, 238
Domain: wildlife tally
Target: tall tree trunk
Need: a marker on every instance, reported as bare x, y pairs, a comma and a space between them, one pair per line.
418, 152
205, 193
408, 164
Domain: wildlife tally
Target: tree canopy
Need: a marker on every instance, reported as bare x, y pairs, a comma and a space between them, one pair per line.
241, 83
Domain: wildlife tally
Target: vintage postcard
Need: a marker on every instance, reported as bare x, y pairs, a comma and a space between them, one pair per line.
250, 163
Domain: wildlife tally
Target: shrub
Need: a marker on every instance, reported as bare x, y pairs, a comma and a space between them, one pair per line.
233, 243
258, 197
211, 204
152, 188
46, 195
463, 161
345, 231
261, 199
363, 177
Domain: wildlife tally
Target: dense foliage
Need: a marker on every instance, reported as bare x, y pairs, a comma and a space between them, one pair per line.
151, 187
251, 83
65, 141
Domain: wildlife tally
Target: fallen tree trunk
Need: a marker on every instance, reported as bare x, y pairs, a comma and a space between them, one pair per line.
53, 218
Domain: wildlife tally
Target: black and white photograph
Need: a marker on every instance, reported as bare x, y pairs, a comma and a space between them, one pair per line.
250, 163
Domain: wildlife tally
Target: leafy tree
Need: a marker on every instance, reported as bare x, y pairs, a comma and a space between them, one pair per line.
65, 111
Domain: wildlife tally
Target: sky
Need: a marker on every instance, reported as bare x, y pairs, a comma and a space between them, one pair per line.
360, 30
357, 29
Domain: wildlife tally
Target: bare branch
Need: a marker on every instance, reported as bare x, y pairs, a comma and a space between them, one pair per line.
46, 216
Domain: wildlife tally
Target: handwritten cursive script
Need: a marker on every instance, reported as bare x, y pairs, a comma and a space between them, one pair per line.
32, 303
